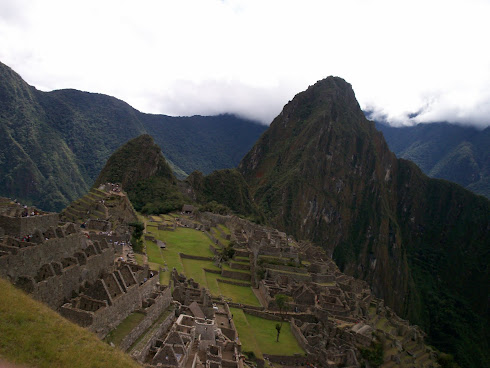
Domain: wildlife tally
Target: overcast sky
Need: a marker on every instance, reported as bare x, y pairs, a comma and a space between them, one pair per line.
251, 57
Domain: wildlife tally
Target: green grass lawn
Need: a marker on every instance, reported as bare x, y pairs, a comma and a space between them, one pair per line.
153, 252
218, 236
193, 242
212, 283
185, 240
194, 268
259, 335
182, 240
125, 327
33, 335
224, 229
239, 294
227, 267
138, 258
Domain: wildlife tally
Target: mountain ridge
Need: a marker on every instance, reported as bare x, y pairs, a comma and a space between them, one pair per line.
445, 151
322, 172
54, 144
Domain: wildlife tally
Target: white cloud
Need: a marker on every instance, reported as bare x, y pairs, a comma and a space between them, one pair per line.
251, 57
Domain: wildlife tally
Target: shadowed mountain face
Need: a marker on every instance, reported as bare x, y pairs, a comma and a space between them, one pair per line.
144, 174
323, 172
445, 151
53, 145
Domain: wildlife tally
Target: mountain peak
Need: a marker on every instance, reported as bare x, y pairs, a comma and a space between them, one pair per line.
322, 172
329, 96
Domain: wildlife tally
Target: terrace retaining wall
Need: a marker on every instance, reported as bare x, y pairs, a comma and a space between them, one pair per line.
152, 314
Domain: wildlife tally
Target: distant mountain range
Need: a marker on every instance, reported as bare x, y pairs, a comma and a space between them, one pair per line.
54, 144
322, 172
456, 153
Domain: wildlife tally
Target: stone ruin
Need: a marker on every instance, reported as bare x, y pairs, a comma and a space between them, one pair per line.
74, 273
73, 270
102, 305
204, 334
332, 315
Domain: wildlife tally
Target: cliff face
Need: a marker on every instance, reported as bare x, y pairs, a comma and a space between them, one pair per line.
324, 173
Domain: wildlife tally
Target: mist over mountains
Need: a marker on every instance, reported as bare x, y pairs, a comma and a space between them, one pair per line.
456, 153
321, 172
54, 144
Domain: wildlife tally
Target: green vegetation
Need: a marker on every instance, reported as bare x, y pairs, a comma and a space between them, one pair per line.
224, 229
136, 241
446, 151
259, 335
193, 242
124, 328
374, 355
60, 140
146, 336
327, 165
238, 294
34, 335
224, 191
278, 329
145, 175
194, 268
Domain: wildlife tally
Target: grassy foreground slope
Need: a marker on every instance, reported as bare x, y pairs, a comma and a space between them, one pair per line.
34, 335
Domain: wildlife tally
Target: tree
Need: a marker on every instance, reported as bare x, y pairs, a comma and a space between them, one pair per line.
136, 240
281, 301
278, 328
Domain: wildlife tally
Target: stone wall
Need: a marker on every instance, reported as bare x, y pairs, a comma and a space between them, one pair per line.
105, 319
262, 314
213, 249
218, 272
240, 266
242, 253
315, 277
27, 261
201, 258
236, 275
237, 283
21, 226
299, 337
248, 307
153, 312
288, 360
285, 268
275, 274
140, 355
100, 225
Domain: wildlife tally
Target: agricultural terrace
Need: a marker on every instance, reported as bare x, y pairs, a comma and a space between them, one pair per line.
192, 242
259, 335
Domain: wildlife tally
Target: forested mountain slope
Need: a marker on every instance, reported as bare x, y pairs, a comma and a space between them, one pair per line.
322, 172
54, 144
453, 152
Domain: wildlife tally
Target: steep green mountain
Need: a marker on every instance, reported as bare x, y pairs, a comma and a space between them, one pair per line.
54, 144
153, 188
446, 151
145, 175
323, 172
226, 187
